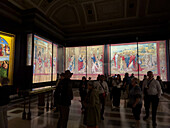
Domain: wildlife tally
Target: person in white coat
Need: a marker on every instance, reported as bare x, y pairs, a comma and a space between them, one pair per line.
102, 87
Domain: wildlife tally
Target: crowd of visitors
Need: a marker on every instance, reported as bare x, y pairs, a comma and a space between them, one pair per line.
93, 96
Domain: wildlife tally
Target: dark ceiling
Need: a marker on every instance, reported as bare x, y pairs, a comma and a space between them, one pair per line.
85, 19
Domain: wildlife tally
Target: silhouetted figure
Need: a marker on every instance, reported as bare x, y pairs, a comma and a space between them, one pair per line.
143, 82
161, 83
98, 77
135, 100
83, 91
126, 84
66, 97
116, 91
57, 93
4, 100
102, 87
92, 107
131, 77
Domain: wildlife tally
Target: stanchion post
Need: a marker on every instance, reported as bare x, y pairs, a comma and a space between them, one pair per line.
24, 112
29, 112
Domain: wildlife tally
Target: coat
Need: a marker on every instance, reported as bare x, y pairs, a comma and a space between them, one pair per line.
92, 108
66, 92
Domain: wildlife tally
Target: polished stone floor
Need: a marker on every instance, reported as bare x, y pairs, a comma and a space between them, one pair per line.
122, 118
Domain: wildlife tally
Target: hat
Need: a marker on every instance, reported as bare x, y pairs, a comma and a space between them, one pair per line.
68, 73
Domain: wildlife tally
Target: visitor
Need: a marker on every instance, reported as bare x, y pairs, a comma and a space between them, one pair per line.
125, 87
135, 100
92, 107
4, 98
66, 97
116, 91
57, 93
152, 94
83, 91
161, 83
102, 87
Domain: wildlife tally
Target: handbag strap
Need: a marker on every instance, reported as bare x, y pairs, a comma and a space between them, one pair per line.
149, 83
102, 86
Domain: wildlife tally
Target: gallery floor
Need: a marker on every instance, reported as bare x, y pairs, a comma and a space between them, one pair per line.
122, 118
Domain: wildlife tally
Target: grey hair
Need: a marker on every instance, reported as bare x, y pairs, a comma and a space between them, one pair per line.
137, 81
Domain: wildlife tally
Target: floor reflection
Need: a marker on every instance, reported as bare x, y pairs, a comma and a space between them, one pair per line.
120, 118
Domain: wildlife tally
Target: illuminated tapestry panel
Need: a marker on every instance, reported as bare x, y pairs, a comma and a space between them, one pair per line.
6, 56
95, 61
42, 63
55, 62
124, 58
151, 57
76, 61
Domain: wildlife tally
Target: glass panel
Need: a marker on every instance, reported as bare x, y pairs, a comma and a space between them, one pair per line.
29, 50
6, 56
123, 58
42, 60
76, 61
55, 62
60, 59
95, 61
152, 57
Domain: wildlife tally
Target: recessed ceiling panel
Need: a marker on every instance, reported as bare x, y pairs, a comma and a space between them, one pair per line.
89, 12
158, 6
66, 15
107, 10
131, 8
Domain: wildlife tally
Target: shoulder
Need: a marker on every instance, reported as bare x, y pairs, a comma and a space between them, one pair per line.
104, 82
156, 81
96, 82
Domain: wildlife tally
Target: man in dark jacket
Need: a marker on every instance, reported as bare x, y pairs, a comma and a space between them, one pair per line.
83, 91
66, 97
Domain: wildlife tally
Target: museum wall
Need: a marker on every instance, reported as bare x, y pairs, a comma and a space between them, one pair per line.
21, 23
